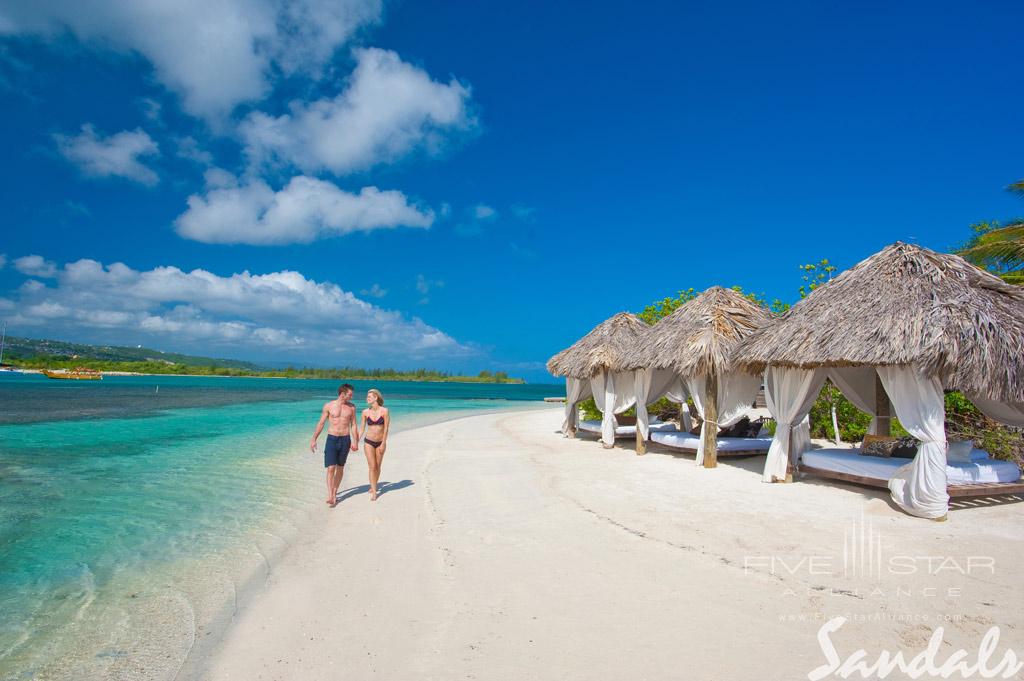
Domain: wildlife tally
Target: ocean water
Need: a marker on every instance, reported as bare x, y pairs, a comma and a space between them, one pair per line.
134, 509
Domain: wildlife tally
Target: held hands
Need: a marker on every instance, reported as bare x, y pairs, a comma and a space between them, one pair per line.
355, 446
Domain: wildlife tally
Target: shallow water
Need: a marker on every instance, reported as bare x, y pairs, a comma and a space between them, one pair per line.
123, 537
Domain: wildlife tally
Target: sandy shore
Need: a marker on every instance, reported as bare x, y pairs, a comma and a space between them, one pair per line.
501, 550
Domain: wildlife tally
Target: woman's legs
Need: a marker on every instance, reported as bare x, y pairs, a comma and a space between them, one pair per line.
378, 455
373, 466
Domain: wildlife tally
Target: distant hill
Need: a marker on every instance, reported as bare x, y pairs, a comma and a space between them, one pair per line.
25, 348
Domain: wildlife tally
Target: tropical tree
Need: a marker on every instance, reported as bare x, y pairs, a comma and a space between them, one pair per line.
998, 248
666, 306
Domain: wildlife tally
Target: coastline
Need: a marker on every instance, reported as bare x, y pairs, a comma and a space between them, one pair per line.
509, 552
151, 615
296, 378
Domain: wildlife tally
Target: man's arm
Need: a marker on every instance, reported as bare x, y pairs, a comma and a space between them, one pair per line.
353, 431
319, 428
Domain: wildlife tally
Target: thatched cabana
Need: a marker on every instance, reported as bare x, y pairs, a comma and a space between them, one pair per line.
696, 344
596, 365
898, 328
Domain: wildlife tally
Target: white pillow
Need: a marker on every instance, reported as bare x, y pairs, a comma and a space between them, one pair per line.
960, 451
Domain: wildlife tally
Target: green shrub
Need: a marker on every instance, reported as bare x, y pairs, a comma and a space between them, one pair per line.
663, 409
853, 423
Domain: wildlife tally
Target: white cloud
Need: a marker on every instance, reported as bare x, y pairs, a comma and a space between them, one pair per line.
523, 212
482, 211
151, 109
189, 149
35, 266
476, 218
424, 286
280, 314
114, 156
304, 210
374, 291
214, 54
3, 260
388, 109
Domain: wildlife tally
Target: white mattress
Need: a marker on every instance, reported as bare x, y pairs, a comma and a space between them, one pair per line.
622, 431
725, 444
850, 461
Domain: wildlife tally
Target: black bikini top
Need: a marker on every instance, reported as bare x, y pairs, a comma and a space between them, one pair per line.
375, 422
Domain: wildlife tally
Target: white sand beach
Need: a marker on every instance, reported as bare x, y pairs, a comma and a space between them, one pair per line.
502, 550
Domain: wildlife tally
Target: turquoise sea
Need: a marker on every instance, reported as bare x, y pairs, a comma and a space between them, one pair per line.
133, 510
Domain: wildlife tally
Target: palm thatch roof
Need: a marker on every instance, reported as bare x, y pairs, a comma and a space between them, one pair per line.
701, 335
610, 345
906, 305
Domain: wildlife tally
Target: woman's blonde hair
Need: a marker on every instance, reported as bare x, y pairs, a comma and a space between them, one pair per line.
380, 398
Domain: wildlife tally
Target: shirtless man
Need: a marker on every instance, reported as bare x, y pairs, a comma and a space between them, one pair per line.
342, 437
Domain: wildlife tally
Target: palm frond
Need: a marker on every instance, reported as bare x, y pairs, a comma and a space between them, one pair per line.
1005, 244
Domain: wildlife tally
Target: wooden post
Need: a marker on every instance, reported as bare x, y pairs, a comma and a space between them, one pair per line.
883, 409
710, 422
641, 446
789, 457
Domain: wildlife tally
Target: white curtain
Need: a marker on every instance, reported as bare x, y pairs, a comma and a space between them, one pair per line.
789, 393
641, 390
666, 383
736, 394
858, 385
1010, 413
686, 422
575, 390
919, 488
614, 393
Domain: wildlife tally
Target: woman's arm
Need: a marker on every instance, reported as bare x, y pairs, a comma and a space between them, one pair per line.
387, 426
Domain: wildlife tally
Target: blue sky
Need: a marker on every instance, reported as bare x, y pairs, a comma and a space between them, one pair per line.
475, 185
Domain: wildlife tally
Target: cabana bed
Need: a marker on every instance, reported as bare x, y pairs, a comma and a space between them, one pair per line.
980, 476
893, 333
727, 446
694, 346
595, 365
624, 429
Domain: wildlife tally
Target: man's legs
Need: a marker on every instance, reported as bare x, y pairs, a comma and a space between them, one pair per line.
339, 473
332, 488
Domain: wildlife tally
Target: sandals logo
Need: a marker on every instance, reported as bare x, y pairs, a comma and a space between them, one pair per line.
924, 664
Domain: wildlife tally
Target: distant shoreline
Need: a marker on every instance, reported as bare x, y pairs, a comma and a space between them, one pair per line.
301, 378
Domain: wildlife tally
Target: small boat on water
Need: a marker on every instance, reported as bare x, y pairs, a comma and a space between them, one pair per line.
75, 374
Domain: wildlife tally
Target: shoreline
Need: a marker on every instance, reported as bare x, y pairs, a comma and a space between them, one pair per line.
153, 618
511, 552
298, 378
196, 662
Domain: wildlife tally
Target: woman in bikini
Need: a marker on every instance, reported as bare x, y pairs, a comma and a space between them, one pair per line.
376, 423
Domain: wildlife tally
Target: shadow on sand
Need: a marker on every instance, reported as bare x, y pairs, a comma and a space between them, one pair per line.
382, 489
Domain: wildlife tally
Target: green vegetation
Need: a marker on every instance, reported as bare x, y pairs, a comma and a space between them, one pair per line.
30, 353
32, 347
351, 373
660, 309
998, 248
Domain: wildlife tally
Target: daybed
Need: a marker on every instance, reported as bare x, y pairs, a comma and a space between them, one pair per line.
627, 429
727, 446
982, 476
